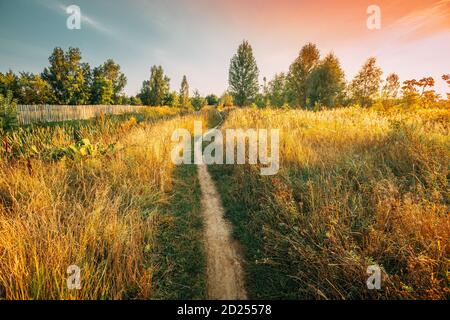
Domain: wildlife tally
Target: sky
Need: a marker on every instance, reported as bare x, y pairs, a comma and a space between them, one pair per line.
197, 38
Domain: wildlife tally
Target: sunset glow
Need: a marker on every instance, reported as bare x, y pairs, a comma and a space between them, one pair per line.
197, 38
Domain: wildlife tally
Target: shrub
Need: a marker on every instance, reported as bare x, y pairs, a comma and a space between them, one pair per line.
8, 112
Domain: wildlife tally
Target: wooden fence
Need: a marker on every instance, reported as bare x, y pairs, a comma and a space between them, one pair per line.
28, 114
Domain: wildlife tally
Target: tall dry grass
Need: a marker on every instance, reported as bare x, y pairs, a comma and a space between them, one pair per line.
355, 188
94, 210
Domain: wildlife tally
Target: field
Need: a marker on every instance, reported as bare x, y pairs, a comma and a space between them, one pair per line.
89, 194
355, 188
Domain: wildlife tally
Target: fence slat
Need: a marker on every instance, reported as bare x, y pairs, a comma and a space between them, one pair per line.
28, 114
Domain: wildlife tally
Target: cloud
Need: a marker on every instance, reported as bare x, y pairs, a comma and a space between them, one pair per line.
423, 23
85, 19
91, 22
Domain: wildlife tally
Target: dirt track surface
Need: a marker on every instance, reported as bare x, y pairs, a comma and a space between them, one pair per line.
225, 278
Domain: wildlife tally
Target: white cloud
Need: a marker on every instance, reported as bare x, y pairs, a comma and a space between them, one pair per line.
86, 19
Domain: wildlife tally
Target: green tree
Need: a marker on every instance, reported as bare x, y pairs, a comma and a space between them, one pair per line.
155, 90
172, 100
212, 99
184, 93
68, 77
243, 76
325, 83
102, 91
277, 90
144, 94
111, 71
299, 71
33, 89
366, 83
135, 101
198, 101
8, 112
9, 81
226, 100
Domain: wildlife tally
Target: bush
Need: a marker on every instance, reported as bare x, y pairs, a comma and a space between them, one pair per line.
8, 112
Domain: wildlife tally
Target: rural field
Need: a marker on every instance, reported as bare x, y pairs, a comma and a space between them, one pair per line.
355, 188
225, 158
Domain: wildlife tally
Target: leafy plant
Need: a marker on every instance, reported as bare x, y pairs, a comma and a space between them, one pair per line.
8, 112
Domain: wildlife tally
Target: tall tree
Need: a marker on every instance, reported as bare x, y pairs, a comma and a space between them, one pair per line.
155, 90
367, 83
391, 86
243, 76
276, 90
9, 82
67, 77
299, 71
102, 91
325, 83
184, 93
198, 101
33, 89
111, 71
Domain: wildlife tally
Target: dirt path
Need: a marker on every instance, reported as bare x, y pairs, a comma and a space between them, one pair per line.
225, 278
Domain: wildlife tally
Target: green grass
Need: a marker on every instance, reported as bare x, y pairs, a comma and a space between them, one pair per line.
179, 251
355, 188
263, 281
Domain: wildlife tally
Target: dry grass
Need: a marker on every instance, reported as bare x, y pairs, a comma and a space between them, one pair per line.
95, 211
355, 188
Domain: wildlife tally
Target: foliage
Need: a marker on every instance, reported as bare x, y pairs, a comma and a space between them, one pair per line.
415, 92
243, 76
299, 72
102, 91
366, 84
8, 112
172, 100
135, 101
277, 90
98, 210
184, 93
68, 77
155, 90
226, 100
325, 83
212, 100
363, 188
111, 72
33, 89
198, 101
9, 82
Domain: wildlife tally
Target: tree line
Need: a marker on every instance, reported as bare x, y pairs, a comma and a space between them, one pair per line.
312, 81
70, 81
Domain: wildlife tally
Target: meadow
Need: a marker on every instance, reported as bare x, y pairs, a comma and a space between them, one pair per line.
91, 194
356, 187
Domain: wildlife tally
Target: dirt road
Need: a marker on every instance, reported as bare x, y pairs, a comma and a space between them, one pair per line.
225, 278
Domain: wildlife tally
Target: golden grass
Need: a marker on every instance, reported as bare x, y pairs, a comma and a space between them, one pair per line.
356, 187
96, 212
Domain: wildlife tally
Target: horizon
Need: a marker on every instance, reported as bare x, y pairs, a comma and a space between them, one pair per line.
198, 39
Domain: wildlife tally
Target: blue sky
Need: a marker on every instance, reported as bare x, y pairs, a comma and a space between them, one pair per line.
198, 37
136, 34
